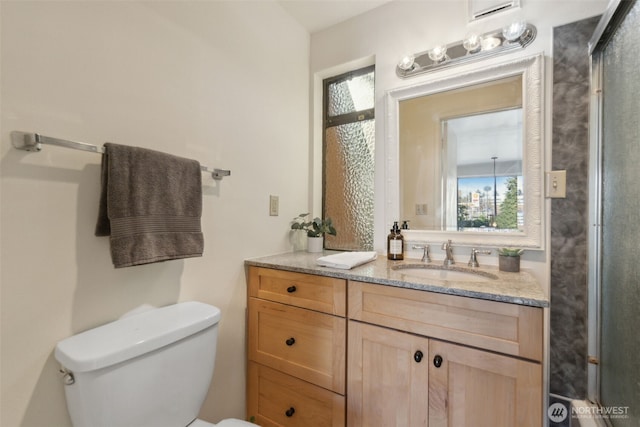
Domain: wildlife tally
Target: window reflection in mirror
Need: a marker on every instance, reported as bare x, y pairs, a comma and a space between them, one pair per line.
483, 157
447, 142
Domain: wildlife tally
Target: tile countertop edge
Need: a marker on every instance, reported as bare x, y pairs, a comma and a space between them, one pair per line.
523, 291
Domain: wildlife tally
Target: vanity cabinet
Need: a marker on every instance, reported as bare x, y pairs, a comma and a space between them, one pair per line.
427, 359
296, 348
328, 352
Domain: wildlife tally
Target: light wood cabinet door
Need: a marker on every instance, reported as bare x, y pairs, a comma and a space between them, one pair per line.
388, 374
303, 343
475, 388
277, 399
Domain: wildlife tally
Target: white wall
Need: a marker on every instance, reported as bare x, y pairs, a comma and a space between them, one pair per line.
401, 27
222, 82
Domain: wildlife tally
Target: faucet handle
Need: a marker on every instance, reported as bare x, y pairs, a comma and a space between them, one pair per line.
473, 261
426, 254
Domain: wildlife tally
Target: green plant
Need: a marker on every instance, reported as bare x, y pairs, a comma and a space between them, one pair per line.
314, 228
510, 251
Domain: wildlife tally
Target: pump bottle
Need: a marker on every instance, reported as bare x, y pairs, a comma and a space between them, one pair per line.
395, 244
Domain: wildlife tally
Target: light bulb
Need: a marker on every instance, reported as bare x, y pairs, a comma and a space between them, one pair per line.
489, 43
514, 31
438, 53
407, 62
472, 42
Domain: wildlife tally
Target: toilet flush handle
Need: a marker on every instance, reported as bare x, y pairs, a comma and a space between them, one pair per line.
67, 376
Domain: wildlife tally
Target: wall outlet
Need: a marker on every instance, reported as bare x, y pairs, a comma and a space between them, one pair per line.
274, 205
421, 209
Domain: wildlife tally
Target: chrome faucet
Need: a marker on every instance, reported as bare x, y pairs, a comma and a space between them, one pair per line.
473, 261
426, 254
448, 259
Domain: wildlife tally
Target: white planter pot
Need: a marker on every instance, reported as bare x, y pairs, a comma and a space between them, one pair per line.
315, 244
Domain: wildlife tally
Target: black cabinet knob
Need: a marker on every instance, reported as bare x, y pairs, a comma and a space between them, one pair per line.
290, 412
291, 341
291, 289
437, 361
417, 356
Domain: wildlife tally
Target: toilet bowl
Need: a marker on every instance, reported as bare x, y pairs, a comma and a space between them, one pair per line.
150, 369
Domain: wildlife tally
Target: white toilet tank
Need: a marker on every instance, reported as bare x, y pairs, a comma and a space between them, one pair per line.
149, 369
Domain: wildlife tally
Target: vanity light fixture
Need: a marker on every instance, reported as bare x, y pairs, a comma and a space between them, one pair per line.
516, 35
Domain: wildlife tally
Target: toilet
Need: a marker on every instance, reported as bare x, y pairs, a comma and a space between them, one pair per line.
150, 369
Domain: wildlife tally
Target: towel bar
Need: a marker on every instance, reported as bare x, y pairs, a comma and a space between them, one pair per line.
29, 141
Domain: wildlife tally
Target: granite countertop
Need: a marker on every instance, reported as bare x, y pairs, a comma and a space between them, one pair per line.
516, 288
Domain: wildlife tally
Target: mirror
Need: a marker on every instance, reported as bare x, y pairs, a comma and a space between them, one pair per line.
464, 157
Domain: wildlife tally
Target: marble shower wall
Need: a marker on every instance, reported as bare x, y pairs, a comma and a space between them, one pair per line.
569, 217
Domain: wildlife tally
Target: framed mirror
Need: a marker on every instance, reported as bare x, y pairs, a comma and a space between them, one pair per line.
464, 157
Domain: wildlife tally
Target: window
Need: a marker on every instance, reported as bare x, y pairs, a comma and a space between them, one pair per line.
348, 158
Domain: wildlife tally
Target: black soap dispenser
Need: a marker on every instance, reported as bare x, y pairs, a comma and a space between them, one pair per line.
395, 244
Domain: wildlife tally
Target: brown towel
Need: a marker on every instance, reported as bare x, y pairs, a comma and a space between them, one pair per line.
150, 205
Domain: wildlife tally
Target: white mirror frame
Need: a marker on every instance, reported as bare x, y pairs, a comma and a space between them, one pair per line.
532, 237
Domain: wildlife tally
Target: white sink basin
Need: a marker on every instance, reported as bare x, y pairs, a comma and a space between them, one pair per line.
456, 274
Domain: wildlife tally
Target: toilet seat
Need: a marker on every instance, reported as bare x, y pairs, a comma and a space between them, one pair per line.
231, 422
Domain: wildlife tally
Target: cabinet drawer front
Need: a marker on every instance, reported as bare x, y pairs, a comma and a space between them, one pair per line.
506, 328
325, 294
277, 399
303, 343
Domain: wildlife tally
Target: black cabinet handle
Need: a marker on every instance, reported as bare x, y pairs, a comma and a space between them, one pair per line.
417, 356
291, 341
437, 361
290, 412
291, 289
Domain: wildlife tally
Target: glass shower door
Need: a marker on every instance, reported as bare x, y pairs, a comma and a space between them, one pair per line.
617, 64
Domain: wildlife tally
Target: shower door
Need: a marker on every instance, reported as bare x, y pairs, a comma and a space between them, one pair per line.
615, 237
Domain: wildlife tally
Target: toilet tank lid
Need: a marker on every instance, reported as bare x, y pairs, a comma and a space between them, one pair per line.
135, 335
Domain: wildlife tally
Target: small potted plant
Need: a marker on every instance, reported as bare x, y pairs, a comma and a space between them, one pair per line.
509, 259
315, 228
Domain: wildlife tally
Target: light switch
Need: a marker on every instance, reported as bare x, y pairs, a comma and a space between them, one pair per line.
274, 207
556, 184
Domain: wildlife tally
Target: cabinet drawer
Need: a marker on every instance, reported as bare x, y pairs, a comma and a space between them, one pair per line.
303, 343
506, 328
277, 399
325, 294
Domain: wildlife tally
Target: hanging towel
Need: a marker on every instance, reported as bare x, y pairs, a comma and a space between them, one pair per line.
150, 205
346, 260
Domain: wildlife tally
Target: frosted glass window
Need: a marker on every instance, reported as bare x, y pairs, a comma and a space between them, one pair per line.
348, 159
348, 183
